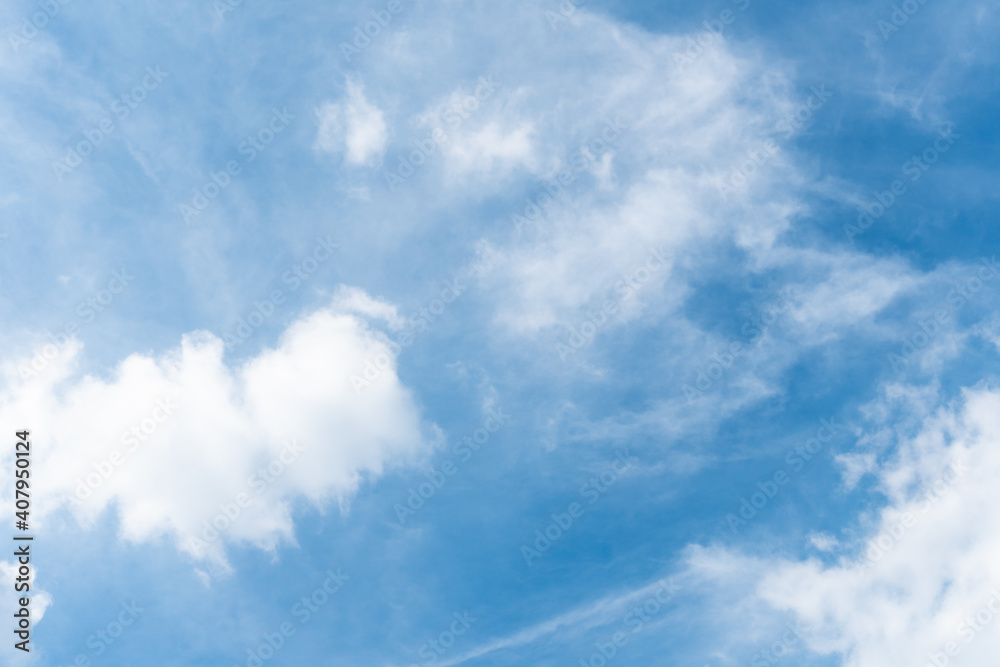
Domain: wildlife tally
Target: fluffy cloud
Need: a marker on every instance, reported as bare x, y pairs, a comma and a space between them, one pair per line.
930, 564
922, 587
177, 442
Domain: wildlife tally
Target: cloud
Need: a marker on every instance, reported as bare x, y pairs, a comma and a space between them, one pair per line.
605, 611
637, 164
923, 584
491, 149
355, 127
180, 441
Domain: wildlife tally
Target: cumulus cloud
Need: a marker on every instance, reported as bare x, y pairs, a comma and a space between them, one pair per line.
922, 587
355, 127
187, 445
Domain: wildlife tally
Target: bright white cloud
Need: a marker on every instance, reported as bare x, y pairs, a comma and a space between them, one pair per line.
923, 585
172, 441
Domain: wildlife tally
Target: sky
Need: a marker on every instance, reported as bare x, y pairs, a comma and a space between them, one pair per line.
475, 333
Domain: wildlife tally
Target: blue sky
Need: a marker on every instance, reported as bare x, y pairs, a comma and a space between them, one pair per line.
705, 291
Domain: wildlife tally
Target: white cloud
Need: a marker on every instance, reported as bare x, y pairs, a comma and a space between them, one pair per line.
910, 591
823, 541
491, 149
182, 466
846, 289
354, 126
643, 146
